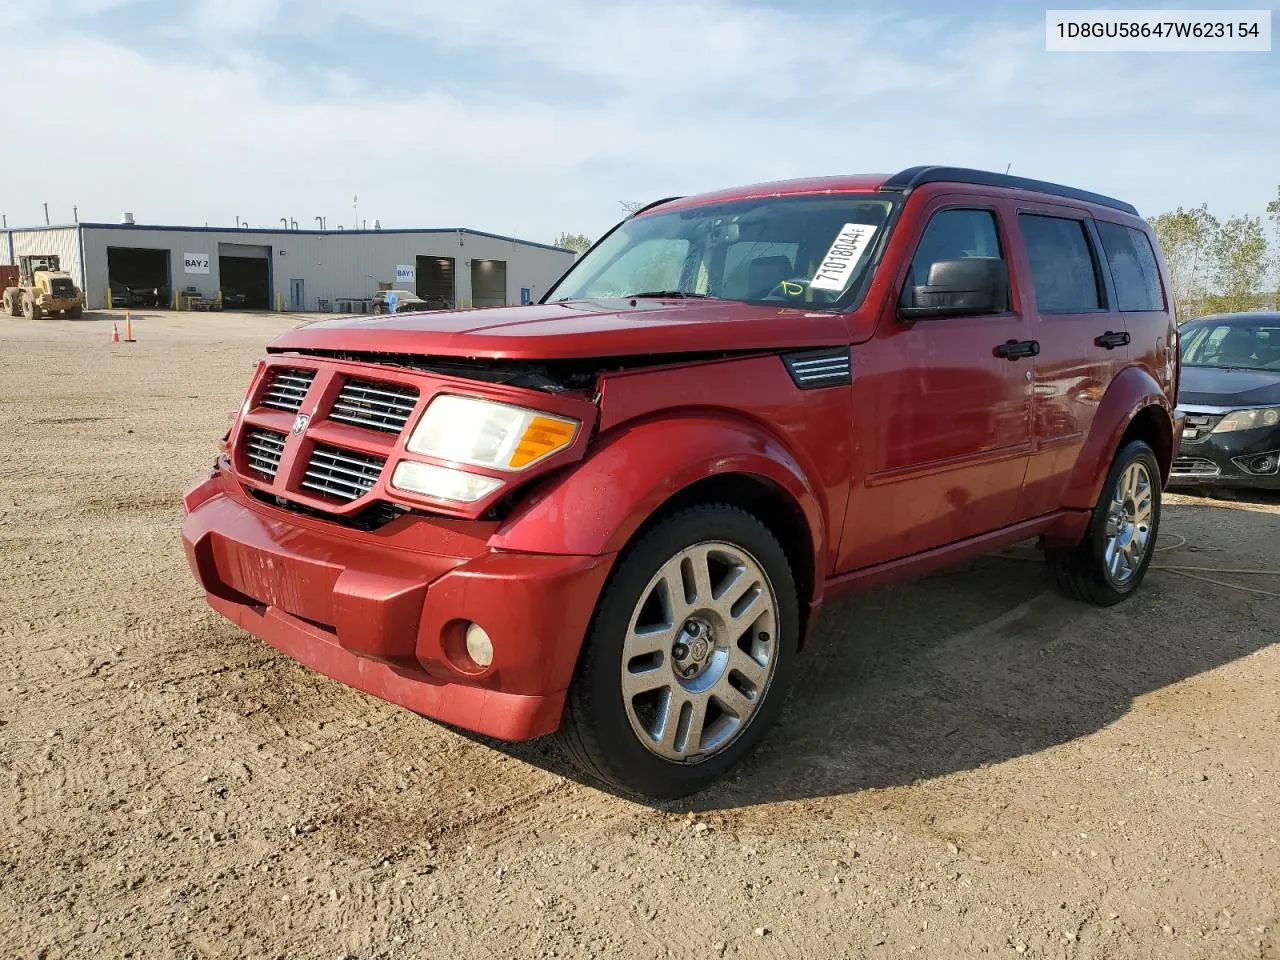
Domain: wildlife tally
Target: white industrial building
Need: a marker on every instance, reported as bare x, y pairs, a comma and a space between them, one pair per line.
311, 270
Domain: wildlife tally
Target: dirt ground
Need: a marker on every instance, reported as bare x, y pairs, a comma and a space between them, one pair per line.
970, 765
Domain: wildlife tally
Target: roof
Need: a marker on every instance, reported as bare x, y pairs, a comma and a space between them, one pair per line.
280, 231
903, 182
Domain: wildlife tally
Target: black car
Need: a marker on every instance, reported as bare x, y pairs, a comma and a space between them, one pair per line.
1230, 397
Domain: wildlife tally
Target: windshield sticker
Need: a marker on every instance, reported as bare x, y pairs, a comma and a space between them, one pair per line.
837, 266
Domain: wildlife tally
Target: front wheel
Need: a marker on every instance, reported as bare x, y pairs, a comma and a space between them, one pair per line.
30, 309
75, 313
686, 662
1111, 561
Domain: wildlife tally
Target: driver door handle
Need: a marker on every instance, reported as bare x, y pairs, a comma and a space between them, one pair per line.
1111, 340
1017, 349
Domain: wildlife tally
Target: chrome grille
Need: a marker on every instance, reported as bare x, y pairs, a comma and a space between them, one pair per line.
343, 474
1194, 467
262, 450
286, 388
1198, 426
378, 406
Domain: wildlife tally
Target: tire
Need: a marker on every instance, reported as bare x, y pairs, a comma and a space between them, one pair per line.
30, 309
1094, 572
11, 304
75, 313
746, 640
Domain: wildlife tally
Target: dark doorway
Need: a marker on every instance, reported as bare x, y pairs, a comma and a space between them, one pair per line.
245, 283
435, 281
488, 283
138, 277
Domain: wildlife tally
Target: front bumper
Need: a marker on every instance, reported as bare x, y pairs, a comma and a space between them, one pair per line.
1224, 459
58, 303
385, 611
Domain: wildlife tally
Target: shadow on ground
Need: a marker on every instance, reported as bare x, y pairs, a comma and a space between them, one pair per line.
976, 665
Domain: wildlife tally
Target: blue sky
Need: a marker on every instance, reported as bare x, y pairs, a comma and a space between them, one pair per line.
530, 118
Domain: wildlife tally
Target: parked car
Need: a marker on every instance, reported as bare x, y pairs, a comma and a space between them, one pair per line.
234, 299
1230, 397
617, 513
148, 296
384, 301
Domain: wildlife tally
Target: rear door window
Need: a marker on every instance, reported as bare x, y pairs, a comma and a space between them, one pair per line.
1133, 268
1064, 270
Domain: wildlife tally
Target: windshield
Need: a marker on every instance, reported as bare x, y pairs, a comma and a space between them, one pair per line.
786, 250
1242, 344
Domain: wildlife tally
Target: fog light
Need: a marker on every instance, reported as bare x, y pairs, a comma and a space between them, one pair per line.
479, 646
1264, 464
443, 483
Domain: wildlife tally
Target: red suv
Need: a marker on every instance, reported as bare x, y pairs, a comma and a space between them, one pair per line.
617, 513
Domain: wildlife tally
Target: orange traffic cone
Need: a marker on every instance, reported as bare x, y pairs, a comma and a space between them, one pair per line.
128, 327
115, 332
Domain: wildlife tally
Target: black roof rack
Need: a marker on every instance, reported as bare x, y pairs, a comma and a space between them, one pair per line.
913, 177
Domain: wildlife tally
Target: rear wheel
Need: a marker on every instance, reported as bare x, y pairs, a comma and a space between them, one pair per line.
75, 313
686, 662
1112, 559
12, 304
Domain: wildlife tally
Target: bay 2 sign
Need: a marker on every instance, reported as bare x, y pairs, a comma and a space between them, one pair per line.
195, 263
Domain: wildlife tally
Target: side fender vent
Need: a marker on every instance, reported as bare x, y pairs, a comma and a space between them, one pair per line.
812, 369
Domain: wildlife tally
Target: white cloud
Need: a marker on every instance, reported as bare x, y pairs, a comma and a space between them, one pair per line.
666, 97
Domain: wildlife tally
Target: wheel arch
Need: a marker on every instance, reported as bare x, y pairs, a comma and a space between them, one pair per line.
641, 474
769, 503
1134, 407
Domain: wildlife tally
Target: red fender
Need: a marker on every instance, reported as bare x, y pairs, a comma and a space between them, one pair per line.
1132, 390
596, 506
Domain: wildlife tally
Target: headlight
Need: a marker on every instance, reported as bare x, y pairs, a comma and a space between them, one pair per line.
1248, 419
488, 434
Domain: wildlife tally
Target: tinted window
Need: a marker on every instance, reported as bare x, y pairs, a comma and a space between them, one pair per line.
1133, 267
1062, 265
955, 235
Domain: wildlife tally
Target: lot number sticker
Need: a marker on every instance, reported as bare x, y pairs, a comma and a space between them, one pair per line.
195, 263
837, 266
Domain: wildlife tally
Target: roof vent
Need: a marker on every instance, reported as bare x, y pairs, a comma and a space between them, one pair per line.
377, 224
127, 217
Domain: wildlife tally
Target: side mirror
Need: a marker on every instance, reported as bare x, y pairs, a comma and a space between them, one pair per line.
958, 288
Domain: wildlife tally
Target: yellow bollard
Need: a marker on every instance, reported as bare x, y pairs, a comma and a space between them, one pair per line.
279, 303
108, 297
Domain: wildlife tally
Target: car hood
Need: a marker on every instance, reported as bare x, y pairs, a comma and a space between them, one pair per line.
574, 330
1227, 387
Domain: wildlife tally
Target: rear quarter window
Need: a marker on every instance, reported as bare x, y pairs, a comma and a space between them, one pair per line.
1063, 269
1133, 268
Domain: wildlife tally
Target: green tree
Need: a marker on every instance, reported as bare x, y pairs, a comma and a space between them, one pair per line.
1186, 237
573, 241
1273, 211
1239, 263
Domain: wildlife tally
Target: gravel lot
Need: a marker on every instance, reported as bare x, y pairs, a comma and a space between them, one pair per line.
970, 766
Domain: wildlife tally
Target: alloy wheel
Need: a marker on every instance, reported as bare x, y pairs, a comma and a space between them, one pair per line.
1128, 525
700, 651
